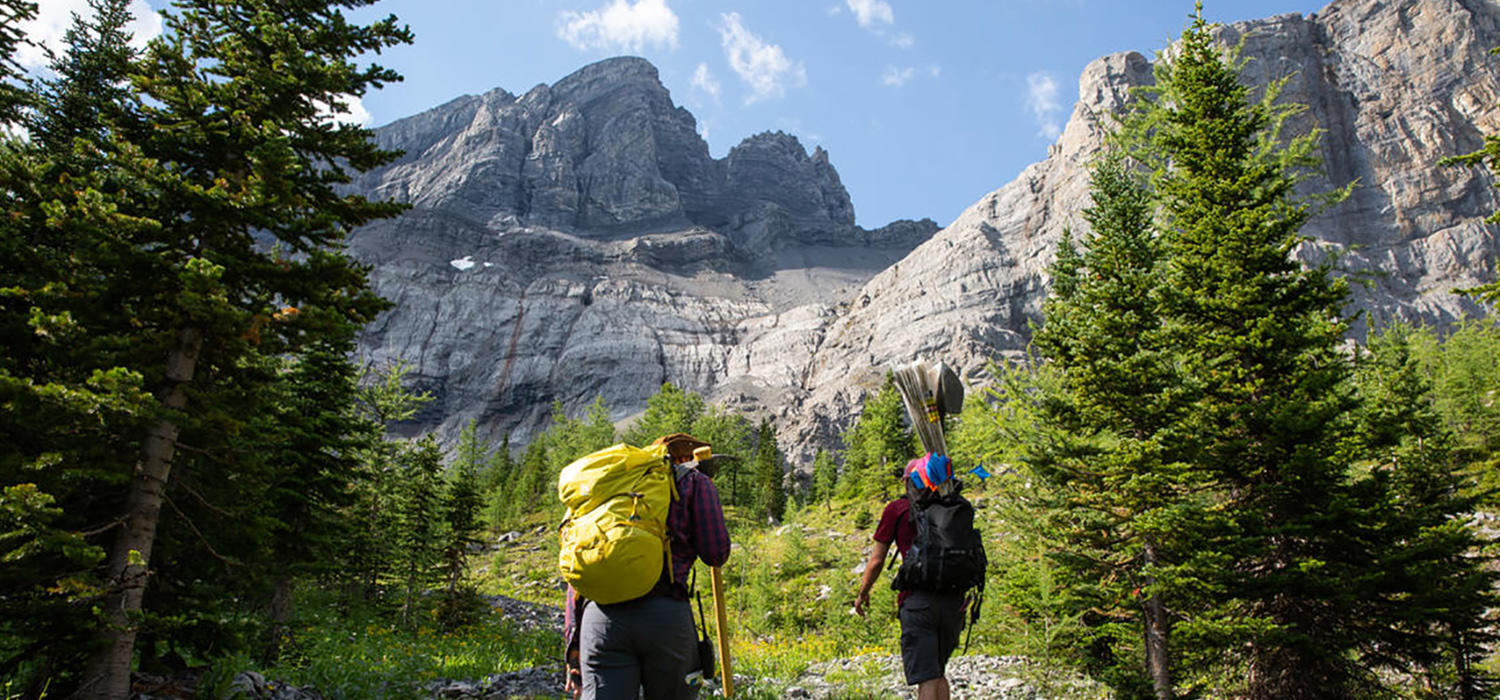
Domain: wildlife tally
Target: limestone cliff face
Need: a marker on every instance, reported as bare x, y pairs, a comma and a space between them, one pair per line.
578, 240
1396, 84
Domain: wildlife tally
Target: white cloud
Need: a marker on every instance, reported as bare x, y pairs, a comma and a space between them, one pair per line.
620, 26
1041, 98
903, 40
54, 17
896, 77
704, 80
871, 12
354, 112
764, 67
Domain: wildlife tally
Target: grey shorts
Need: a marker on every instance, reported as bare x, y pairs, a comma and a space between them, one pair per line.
642, 645
930, 627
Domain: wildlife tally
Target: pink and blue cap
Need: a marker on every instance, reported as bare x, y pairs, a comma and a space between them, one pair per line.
929, 471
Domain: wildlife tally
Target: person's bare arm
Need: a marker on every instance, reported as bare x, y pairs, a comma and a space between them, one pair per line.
873, 565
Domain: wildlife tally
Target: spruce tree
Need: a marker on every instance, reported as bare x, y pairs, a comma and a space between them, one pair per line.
420, 527
461, 509
569, 438
1464, 370
1125, 508
730, 434
1255, 338
463, 503
239, 151
384, 399
313, 449
496, 485
72, 403
536, 484
824, 479
770, 494
877, 445
1439, 584
89, 92
669, 410
13, 14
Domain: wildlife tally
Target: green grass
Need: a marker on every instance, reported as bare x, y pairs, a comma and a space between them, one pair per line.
789, 593
366, 654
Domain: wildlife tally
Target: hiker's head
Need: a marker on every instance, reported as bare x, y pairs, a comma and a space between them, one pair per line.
680, 446
928, 472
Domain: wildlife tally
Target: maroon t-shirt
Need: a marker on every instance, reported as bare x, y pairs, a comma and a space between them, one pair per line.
896, 526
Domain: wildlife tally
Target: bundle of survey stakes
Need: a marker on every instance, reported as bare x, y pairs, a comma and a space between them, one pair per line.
930, 391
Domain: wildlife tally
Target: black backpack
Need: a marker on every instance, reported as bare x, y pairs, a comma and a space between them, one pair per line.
948, 552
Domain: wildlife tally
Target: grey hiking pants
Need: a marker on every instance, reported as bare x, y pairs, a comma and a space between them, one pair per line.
647, 643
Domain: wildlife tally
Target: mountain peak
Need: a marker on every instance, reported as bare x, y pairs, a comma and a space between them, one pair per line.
611, 74
604, 153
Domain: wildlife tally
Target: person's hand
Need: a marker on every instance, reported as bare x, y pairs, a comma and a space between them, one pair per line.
573, 686
861, 602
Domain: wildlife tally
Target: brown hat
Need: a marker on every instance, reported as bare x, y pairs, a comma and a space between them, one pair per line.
680, 446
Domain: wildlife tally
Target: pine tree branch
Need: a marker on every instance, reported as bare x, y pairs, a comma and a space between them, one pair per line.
103, 528
194, 493
227, 560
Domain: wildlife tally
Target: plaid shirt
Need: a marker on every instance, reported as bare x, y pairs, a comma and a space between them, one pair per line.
696, 523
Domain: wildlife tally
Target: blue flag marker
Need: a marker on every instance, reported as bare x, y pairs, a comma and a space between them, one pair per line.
979, 471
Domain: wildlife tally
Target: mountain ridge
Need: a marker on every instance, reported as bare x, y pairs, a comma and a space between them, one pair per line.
621, 255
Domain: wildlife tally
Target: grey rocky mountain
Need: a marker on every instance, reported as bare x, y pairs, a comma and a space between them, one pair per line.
579, 241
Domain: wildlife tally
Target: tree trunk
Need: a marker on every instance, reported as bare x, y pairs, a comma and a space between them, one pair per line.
280, 611
1158, 664
107, 673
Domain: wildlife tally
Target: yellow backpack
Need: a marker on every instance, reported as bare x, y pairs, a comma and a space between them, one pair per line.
614, 538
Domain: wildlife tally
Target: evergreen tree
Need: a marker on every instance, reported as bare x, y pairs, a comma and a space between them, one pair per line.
729, 434
421, 526
13, 14
825, 477
383, 399
1255, 338
71, 402
317, 440
1440, 588
496, 485
1464, 371
1126, 509
570, 438
879, 444
231, 148
669, 410
770, 494
89, 92
536, 485
464, 502
462, 512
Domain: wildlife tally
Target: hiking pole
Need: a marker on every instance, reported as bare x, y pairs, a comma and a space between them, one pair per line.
721, 617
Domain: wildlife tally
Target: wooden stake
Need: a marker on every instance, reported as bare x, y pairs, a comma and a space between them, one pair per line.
721, 618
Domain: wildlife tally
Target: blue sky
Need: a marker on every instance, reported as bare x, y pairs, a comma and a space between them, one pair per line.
923, 106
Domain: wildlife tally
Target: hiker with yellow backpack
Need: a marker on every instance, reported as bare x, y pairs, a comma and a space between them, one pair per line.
638, 518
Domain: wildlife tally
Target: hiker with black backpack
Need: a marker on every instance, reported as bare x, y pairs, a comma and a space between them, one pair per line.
638, 519
941, 579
